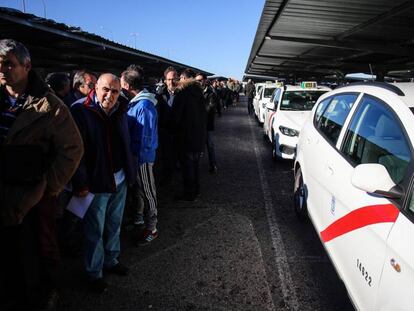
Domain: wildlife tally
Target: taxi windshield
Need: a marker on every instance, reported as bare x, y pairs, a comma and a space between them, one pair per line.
300, 100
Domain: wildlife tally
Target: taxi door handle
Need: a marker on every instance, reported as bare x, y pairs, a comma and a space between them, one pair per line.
329, 169
395, 265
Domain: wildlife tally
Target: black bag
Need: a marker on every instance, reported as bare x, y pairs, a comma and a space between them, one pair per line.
21, 164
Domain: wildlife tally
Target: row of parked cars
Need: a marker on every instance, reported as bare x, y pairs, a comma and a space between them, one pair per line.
354, 178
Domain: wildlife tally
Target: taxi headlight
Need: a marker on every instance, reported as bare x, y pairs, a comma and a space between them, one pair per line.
288, 131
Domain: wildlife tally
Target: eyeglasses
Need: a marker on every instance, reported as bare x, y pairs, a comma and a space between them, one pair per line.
199, 80
90, 85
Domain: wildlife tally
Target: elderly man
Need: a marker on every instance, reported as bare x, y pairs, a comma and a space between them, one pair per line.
105, 171
40, 150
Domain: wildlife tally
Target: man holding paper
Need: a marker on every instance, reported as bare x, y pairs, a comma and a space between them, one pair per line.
105, 170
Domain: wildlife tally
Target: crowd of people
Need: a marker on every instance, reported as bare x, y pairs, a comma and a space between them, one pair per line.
96, 135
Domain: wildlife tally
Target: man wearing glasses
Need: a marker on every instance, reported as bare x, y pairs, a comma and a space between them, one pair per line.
83, 83
165, 104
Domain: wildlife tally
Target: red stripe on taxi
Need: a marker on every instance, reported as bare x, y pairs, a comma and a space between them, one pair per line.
361, 217
270, 121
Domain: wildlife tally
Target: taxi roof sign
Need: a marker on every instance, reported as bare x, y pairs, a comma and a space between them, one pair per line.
309, 85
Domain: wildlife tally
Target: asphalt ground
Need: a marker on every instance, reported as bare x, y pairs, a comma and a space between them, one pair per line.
238, 247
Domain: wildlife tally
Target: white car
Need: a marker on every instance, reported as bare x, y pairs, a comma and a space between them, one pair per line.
285, 114
265, 95
354, 178
258, 88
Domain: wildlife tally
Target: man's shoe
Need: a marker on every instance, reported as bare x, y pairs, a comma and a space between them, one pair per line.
213, 169
118, 269
185, 197
147, 237
51, 301
98, 286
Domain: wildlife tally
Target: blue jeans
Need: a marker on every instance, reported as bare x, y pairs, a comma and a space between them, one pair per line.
102, 225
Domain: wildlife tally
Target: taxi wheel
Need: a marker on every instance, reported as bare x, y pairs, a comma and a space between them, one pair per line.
299, 196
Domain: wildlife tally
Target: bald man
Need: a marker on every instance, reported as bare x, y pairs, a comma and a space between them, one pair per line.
105, 171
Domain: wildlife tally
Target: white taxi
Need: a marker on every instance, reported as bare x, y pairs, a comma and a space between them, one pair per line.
265, 94
258, 87
285, 114
354, 177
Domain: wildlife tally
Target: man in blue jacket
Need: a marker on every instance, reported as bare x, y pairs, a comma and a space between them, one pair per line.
105, 170
142, 123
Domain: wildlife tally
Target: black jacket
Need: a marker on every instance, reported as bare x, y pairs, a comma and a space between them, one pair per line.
164, 110
189, 118
211, 104
96, 171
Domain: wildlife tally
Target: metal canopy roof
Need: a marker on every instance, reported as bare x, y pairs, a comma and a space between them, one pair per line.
322, 38
58, 47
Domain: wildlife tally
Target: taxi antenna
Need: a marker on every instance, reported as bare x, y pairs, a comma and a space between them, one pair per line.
372, 74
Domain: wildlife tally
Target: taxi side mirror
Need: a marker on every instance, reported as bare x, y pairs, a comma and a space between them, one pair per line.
374, 178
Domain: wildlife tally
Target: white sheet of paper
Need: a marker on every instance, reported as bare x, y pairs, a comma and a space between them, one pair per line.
79, 206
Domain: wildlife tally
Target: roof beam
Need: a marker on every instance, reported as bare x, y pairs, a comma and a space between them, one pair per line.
350, 45
309, 60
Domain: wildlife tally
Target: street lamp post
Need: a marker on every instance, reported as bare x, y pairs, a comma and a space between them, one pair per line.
135, 35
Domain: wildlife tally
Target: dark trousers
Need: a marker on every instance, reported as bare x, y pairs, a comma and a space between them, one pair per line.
210, 149
249, 105
30, 261
190, 168
168, 153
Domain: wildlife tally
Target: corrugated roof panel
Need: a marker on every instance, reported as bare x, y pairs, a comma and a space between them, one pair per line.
347, 35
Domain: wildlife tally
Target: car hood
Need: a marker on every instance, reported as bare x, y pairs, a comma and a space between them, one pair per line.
293, 119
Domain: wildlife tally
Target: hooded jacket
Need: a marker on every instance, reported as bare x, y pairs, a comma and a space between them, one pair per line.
189, 117
142, 124
46, 124
96, 172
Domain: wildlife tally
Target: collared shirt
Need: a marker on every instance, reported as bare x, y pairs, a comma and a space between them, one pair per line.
170, 100
10, 109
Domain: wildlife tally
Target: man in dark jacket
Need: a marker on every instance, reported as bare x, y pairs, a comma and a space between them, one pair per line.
249, 91
189, 124
211, 103
166, 137
40, 150
105, 170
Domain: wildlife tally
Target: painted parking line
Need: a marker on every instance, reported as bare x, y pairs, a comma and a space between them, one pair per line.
288, 289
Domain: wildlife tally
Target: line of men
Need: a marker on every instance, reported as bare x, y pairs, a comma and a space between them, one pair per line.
102, 141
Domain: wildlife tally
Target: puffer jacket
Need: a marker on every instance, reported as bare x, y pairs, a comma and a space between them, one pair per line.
46, 124
189, 118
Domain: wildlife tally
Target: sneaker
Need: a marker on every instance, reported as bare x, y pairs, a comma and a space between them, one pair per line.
118, 269
147, 237
139, 222
98, 286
